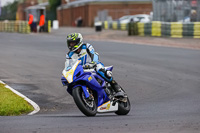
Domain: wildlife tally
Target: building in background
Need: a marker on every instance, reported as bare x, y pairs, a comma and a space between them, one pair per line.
23, 4
21, 14
70, 10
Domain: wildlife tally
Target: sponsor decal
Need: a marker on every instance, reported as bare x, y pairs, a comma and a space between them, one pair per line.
90, 78
107, 107
84, 53
102, 108
70, 72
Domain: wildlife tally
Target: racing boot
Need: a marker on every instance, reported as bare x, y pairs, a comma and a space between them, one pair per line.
107, 75
117, 89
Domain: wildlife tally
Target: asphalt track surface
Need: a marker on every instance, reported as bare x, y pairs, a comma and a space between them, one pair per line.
163, 85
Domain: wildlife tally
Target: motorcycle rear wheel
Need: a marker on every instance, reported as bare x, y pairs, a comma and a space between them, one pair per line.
87, 107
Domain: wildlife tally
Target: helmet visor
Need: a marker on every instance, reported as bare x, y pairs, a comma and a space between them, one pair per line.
72, 44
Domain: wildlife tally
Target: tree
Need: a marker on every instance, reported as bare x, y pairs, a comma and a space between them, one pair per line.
8, 12
53, 6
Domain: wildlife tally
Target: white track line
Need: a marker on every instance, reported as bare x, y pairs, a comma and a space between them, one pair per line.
35, 106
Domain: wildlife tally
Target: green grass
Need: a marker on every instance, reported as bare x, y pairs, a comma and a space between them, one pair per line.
12, 104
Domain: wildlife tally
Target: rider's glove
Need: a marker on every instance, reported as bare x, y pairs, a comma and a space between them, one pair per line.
90, 65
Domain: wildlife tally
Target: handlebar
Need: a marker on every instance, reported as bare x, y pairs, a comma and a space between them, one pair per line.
89, 66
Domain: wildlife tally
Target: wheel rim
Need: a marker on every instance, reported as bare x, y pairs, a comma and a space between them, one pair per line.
88, 103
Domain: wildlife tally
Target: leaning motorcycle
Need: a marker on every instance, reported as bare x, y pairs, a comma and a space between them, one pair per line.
91, 93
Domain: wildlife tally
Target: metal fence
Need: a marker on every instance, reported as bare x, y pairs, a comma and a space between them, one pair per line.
176, 10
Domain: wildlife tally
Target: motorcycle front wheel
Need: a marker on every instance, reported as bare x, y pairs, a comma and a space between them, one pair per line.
85, 105
123, 107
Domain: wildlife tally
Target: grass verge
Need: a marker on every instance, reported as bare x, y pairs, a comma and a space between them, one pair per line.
11, 104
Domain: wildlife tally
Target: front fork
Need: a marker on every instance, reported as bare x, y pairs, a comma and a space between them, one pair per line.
85, 90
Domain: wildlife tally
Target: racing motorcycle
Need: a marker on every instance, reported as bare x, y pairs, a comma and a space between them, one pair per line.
91, 93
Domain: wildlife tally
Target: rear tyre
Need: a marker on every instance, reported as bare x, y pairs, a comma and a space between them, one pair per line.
86, 106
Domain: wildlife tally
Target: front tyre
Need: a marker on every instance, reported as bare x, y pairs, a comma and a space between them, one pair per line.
123, 107
86, 106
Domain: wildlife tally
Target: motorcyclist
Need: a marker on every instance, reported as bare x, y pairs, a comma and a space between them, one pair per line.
86, 53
